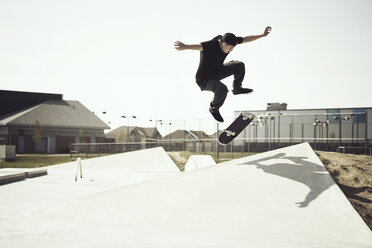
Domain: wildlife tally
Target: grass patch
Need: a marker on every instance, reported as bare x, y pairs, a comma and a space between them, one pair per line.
35, 161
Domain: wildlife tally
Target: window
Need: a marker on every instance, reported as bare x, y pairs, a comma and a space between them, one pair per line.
359, 115
333, 115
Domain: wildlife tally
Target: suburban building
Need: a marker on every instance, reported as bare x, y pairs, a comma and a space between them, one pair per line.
126, 138
325, 129
187, 140
45, 123
132, 134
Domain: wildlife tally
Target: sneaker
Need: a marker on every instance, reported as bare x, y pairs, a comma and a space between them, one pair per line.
241, 90
216, 114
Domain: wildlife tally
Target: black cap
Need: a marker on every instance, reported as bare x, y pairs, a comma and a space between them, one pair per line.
230, 39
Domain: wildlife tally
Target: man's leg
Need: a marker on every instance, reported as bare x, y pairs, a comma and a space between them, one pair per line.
237, 69
220, 92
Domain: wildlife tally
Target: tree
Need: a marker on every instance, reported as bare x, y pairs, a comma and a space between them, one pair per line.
81, 133
37, 132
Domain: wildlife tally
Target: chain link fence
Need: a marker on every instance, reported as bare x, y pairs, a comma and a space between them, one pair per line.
333, 131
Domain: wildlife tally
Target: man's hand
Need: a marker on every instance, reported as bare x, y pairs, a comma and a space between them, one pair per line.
267, 31
181, 46
255, 37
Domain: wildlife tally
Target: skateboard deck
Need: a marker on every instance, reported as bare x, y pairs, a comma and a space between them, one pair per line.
235, 128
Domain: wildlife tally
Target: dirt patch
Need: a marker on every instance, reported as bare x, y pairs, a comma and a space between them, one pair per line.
353, 174
179, 158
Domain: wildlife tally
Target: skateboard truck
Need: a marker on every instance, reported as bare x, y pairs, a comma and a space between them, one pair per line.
230, 133
246, 117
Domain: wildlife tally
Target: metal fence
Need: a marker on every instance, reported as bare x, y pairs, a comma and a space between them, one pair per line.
345, 131
241, 145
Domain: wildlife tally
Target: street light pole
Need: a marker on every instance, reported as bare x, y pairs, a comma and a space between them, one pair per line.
167, 125
128, 117
156, 128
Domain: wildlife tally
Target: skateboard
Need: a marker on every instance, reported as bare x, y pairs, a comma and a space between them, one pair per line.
235, 128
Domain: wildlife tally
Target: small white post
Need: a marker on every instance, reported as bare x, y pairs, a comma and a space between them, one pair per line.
78, 165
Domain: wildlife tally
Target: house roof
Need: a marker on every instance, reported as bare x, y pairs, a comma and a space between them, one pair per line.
123, 130
201, 134
55, 113
187, 134
151, 132
11, 101
138, 131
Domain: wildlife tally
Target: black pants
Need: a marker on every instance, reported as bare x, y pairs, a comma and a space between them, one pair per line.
220, 90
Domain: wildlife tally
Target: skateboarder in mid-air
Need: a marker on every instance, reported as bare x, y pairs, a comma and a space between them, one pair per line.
212, 68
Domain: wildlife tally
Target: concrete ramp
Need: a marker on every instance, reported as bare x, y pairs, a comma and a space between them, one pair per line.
30, 197
148, 160
198, 162
117, 169
283, 198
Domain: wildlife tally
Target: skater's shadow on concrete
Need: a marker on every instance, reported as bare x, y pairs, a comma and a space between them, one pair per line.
313, 175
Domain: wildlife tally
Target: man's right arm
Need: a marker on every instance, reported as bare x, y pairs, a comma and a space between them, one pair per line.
181, 46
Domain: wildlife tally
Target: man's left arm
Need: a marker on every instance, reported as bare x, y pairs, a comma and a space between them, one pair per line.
255, 37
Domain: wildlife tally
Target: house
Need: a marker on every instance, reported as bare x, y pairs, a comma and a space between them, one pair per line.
133, 134
45, 123
186, 140
186, 134
141, 137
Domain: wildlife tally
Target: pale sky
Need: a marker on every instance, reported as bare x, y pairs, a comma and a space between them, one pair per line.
118, 56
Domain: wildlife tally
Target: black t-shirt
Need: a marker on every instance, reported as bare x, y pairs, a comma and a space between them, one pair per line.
211, 58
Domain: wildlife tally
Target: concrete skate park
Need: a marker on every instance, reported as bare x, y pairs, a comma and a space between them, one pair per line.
281, 198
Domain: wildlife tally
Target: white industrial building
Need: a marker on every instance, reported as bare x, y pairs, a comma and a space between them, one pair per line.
325, 129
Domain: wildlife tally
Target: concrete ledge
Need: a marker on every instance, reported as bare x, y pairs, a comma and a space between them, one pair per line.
13, 175
36, 173
12, 178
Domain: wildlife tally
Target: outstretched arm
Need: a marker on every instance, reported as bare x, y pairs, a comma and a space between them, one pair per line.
181, 46
255, 37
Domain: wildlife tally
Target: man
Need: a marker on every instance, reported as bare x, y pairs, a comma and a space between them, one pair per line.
212, 68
